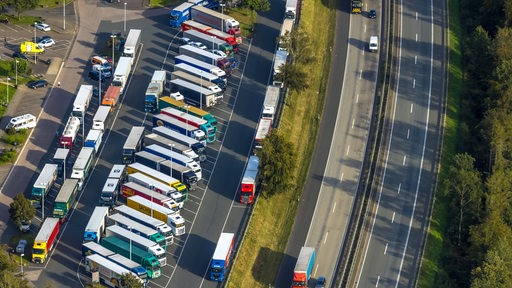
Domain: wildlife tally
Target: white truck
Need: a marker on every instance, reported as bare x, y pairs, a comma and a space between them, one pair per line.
201, 74
286, 29
196, 80
108, 271
132, 43
112, 185
154, 91
165, 142
83, 165
147, 220
197, 146
82, 100
93, 140
205, 66
96, 226
197, 95
100, 118
214, 19
124, 66
280, 59
271, 101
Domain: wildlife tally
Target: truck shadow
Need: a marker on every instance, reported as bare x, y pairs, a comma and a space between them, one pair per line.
265, 255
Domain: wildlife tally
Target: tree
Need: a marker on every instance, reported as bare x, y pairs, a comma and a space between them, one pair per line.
21, 6
293, 76
277, 159
129, 280
479, 56
23, 66
21, 209
496, 270
258, 5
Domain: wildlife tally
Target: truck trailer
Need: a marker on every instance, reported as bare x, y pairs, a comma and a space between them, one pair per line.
83, 164
196, 145
206, 76
112, 185
82, 100
219, 21
158, 186
196, 80
111, 97
225, 63
159, 176
166, 142
154, 91
192, 120
65, 199
194, 25
271, 101
169, 102
96, 226
99, 120
133, 144
68, 137
249, 181
43, 184
93, 140
147, 220
264, 127
110, 273
131, 188
203, 66
303, 267
196, 95
208, 41
162, 120
122, 72
137, 228
222, 256
132, 43
45, 239
60, 159
175, 157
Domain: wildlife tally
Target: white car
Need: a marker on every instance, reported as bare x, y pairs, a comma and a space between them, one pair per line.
198, 45
220, 53
45, 43
184, 40
43, 27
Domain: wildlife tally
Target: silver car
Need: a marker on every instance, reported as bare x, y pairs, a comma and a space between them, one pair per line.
20, 248
45, 43
43, 27
198, 45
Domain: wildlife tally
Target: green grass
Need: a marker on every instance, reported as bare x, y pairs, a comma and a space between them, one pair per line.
431, 262
52, 3
245, 16
23, 20
261, 252
164, 3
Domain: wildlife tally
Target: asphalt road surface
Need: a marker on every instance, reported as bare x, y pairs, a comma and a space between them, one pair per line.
401, 216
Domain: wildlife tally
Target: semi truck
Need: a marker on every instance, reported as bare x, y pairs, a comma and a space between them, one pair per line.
159, 176
111, 97
280, 59
111, 188
147, 220
203, 66
169, 102
45, 239
206, 76
180, 172
144, 258
192, 120
291, 9
162, 120
180, 14
286, 30
193, 25
356, 6
65, 199
262, 131
165, 142
196, 80
131, 188
175, 157
219, 21
139, 241
271, 101
303, 267
174, 220
91, 248
96, 226
122, 72
83, 164
208, 41
158, 186
134, 143
43, 184
68, 137
82, 100
197, 95
222, 256
132, 43
249, 181
137, 228
224, 63
93, 140
154, 91
60, 159
99, 120
196, 145
110, 273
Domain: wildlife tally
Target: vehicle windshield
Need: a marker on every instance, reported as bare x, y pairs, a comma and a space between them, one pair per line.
161, 255
180, 225
38, 251
216, 270
161, 242
174, 17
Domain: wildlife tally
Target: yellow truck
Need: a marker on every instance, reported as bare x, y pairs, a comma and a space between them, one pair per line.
31, 48
45, 239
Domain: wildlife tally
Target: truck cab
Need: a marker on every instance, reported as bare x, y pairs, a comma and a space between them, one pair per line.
373, 46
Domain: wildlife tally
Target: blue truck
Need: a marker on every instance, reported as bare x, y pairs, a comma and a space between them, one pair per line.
205, 66
221, 257
178, 126
96, 226
181, 13
303, 267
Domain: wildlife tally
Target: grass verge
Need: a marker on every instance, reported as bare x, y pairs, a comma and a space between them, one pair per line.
431, 262
260, 255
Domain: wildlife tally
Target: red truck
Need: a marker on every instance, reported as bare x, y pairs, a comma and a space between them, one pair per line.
69, 134
249, 181
45, 239
230, 39
111, 97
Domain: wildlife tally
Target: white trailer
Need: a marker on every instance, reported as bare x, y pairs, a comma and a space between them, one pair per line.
200, 54
262, 131
286, 29
82, 100
271, 101
205, 66
124, 66
196, 80
280, 59
137, 228
112, 185
176, 146
109, 272
201, 74
100, 118
133, 144
176, 157
196, 145
132, 43
83, 165
96, 226
197, 95
147, 220
93, 140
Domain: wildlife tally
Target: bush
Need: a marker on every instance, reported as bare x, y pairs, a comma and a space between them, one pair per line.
5, 67
16, 138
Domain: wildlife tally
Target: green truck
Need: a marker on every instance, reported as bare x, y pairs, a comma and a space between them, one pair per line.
43, 184
145, 259
65, 199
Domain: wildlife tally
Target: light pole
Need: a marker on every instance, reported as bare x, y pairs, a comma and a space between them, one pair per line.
221, 21
125, 18
35, 39
213, 46
99, 87
7, 94
186, 107
21, 263
201, 96
130, 227
64, 14
17, 72
172, 146
42, 203
113, 36
152, 188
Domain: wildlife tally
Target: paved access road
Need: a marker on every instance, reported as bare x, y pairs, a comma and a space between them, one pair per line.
401, 215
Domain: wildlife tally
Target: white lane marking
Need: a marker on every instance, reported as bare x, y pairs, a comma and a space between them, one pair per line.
415, 59
416, 37
341, 178
316, 269
326, 234
399, 188
403, 162
357, 98
416, 15
353, 121
412, 105
348, 149
333, 208
386, 249
408, 132
393, 218
378, 279
364, 28
360, 74
414, 83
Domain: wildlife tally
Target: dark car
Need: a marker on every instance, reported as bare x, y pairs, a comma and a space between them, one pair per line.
4, 20
95, 75
37, 84
372, 14
19, 55
320, 282
20, 248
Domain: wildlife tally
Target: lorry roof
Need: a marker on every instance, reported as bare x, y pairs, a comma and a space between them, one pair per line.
127, 263
180, 74
46, 175
46, 229
69, 187
109, 265
212, 12
303, 259
125, 210
175, 122
182, 114
195, 71
61, 154
133, 36
97, 218
183, 6
159, 76
175, 135
139, 177
148, 203
119, 218
252, 169
149, 156
202, 36
155, 174
263, 128
120, 231
98, 249
189, 59
110, 185
122, 65
192, 86
93, 135
83, 96
125, 245
223, 246
148, 192
117, 171
136, 133
82, 159
72, 127
166, 142
101, 114
168, 152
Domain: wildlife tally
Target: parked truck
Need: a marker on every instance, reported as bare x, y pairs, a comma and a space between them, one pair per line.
134, 143
211, 43
141, 256
132, 43
196, 80
122, 72
82, 100
68, 137
166, 142
183, 173
45, 239
83, 164
197, 95
303, 267
99, 120
271, 101
131, 188
43, 184
175, 157
175, 221
148, 221
249, 181
196, 145
93, 140
219, 21
169, 102
194, 25
96, 226
291, 9
206, 76
162, 120
222, 256
225, 63
139, 241
190, 119
180, 14
159, 176
285, 32
264, 127
201, 65
158, 186
356, 6
110, 273
65, 199
60, 159
139, 229
111, 97
112, 186
154, 91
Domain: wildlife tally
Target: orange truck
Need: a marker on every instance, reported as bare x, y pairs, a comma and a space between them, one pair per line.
111, 97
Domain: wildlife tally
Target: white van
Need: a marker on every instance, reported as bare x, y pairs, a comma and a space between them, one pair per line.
374, 44
26, 121
99, 60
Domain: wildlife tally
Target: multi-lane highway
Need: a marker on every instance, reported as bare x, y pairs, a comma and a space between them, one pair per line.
400, 217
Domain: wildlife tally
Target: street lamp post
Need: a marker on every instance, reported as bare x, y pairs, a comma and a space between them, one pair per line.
16, 72
7, 94
113, 36
21, 263
99, 88
186, 107
42, 203
130, 227
64, 14
213, 45
35, 39
125, 18
172, 146
201, 94
152, 188
222, 21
